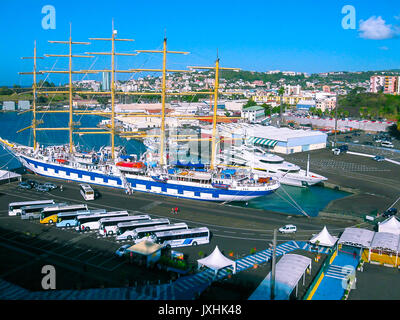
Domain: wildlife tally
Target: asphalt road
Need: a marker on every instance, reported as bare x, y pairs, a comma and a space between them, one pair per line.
85, 260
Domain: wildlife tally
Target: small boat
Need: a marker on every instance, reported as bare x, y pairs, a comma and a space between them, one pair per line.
130, 166
264, 180
63, 161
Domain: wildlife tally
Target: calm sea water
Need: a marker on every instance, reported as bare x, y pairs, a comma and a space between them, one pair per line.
286, 199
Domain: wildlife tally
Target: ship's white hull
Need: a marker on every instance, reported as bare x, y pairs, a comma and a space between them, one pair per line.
180, 189
295, 180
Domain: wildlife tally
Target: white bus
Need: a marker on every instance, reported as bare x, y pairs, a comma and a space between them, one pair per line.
108, 226
50, 215
14, 208
126, 229
182, 238
34, 212
91, 222
67, 219
145, 233
86, 191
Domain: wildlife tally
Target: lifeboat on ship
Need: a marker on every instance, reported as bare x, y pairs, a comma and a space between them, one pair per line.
130, 166
62, 161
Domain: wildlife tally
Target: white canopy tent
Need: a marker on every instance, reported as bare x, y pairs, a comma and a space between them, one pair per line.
8, 176
216, 261
385, 242
324, 238
391, 225
356, 237
289, 270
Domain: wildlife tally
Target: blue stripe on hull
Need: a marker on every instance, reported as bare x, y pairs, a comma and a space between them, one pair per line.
216, 193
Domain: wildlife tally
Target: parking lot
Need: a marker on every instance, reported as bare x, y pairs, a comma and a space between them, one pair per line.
82, 260
86, 260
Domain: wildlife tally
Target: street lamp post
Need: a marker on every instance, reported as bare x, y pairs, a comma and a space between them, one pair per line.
273, 267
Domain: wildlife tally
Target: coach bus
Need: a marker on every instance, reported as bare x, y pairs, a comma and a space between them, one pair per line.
34, 211
126, 229
108, 226
182, 238
91, 222
67, 219
86, 191
14, 208
145, 233
49, 215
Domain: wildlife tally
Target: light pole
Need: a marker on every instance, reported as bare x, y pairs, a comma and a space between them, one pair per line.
273, 267
336, 119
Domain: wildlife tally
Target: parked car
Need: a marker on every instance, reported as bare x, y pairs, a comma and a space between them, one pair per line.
379, 158
122, 250
368, 143
336, 151
387, 144
24, 185
289, 228
32, 183
42, 188
50, 185
390, 212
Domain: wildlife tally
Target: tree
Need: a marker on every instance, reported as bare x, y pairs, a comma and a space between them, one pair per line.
267, 109
250, 103
5, 91
394, 130
42, 99
102, 100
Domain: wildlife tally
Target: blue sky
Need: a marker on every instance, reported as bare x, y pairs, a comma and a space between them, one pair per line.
305, 36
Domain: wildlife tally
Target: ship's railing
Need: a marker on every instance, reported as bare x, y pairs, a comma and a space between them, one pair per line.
256, 184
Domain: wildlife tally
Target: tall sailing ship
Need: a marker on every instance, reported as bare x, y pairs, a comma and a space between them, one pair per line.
111, 166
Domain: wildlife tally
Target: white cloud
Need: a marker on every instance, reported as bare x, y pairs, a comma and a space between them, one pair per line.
375, 28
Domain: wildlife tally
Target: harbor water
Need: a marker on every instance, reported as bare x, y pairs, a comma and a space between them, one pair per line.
287, 199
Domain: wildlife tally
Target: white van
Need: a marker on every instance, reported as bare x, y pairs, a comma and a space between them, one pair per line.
387, 144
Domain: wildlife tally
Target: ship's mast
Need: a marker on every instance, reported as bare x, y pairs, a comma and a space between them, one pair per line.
113, 93
34, 88
215, 108
70, 72
112, 71
163, 90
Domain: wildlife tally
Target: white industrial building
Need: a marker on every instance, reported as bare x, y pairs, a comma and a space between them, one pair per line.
253, 114
8, 106
23, 105
280, 140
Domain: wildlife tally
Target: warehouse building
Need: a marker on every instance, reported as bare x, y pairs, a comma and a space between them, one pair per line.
8, 106
280, 140
23, 105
